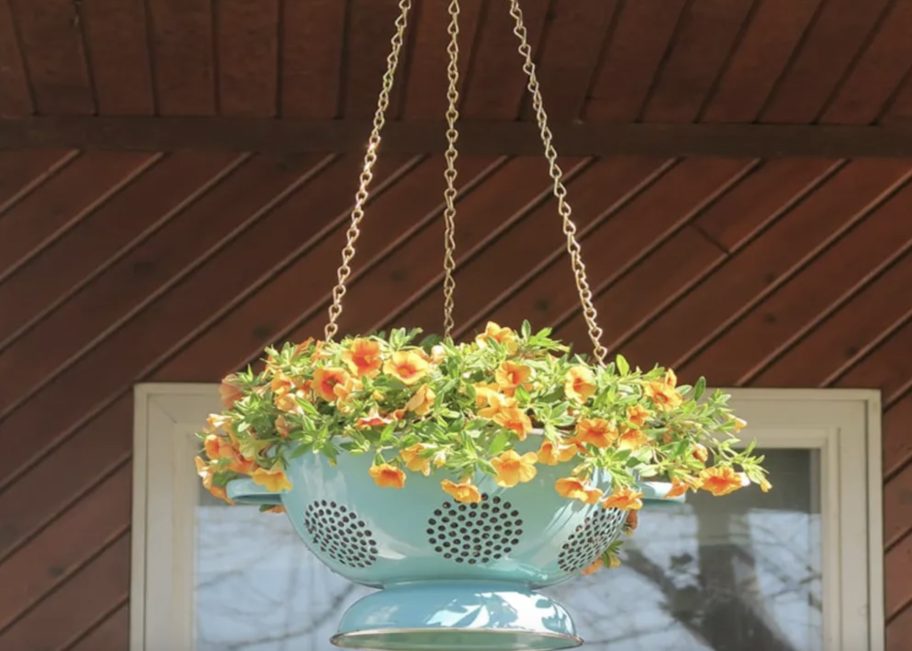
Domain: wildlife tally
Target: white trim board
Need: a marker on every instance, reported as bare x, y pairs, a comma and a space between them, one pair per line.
844, 424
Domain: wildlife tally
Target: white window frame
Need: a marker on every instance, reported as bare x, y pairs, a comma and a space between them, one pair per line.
843, 424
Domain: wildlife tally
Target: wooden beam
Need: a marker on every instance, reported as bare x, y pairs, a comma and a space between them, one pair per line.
476, 137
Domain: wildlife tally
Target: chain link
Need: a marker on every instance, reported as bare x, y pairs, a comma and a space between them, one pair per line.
560, 191
449, 195
367, 171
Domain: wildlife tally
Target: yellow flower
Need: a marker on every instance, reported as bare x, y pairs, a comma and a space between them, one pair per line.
438, 353
510, 375
408, 366
274, 479
740, 424
373, 419
496, 402
218, 421
596, 431
722, 480
218, 448
421, 401
515, 419
229, 391
204, 470
387, 476
363, 357
504, 336
551, 454
572, 488
632, 439
593, 568
325, 381
579, 383
637, 415
670, 378
413, 459
464, 491
514, 469
764, 484
625, 499
663, 395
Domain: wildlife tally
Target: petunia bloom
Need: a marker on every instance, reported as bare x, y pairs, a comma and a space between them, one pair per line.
663, 395
229, 391
282, 427
407, 366
625, 499
552, 454
514, 469
273, 479
219, 448
363, 357
204, 470
722, 480
700, 453
637, 415
413, 459
422, 401
464, 492
739, 423
510, 375
579, 383
516, 420
592, 568
632, 439
387, 476
595, 431
373, 419
325, 381
572, 488
630, 524
506, 337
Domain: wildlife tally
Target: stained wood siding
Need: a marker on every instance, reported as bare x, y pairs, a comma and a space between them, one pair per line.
120, 268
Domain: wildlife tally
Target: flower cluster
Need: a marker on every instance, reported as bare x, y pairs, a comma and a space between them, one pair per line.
461, 409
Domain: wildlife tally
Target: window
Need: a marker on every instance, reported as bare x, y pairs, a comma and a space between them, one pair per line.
798, 569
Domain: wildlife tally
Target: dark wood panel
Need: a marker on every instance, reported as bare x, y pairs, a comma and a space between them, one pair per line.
899, 109
51, 40
762, 265
182, 56
897, 435
66, 198
311, 57
838, 33
638, 43
15, 95
496, 82
69, 611
247, 34
111, 634
117, 42
23, 171
801, 303
888, 366
536, 241
899, 631
105, 235
760, 57
875, 76
695, 61
370, 28
898, 563
44, 563
897, 507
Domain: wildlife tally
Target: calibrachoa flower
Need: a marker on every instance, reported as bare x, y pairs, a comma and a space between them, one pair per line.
462, 410
514, 469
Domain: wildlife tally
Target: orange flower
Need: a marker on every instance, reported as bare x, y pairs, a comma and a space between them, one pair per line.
579, 383
343, 390
593, 568
282, 427
406, 365
287, 402
551, 454
373, 419
363, 357
387, 476
281, 384
276, 508
274, 479
421, 401
325, 381
510, 375
504, 336
301, 347
204, 470
486, 394
464, 491
625, 499
496, 402
722, 480
679, 487
229, 391
630, 524
514, 469
218, 421
574, 489
632, 439
218, 448
515, 419
637, 415
700, 453
413, 459
596, 431
663, 395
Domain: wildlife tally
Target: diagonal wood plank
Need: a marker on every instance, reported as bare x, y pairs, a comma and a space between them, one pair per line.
897, 436
897, 566
110, 634
899, 630
21, 172
897, 507
888, 366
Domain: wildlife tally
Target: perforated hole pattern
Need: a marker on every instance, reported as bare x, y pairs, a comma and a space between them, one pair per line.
475, 533
590, 539
338, 532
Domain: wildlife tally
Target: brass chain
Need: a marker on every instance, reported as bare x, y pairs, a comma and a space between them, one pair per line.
560, 191
367, 171
449, 195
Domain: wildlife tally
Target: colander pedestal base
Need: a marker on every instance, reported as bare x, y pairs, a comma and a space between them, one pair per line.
456, 616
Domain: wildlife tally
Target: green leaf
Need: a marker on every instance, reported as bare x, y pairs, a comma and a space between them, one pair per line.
699, 388
498, 443
622, 365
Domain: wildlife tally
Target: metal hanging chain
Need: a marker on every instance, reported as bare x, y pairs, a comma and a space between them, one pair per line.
449, 195
367, 172
560, 191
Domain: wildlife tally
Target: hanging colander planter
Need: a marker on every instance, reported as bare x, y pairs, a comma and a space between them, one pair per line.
458, 478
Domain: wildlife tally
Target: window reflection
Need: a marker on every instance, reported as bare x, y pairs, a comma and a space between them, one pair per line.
741, 574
